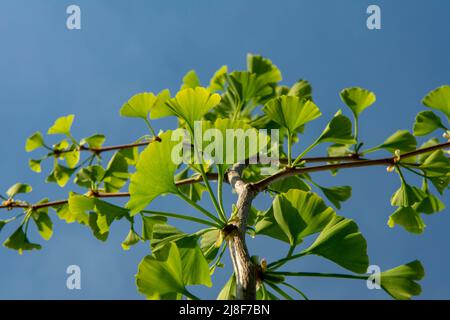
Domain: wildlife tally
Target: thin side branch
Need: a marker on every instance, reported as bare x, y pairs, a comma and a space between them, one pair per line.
292, 171
258, 186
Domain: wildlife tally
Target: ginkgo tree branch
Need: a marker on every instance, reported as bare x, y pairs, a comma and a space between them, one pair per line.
258, 186
292, 171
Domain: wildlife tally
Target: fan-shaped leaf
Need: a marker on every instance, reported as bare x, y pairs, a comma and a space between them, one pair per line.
439, 99
357, 99
152, 179
291, 112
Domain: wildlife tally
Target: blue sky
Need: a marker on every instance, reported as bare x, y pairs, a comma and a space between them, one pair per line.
126, 47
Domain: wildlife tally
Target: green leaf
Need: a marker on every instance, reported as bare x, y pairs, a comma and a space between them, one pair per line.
17, 189
426, 122
81, 208
161, 275
431, 204
148, 223
43, 222
107, 213
210, 243
357, 99
5, 222
286, 184
339, 130
172, 269
78, 209
301, 89
408, 218
192, 191
400, 282
139, 106
60, 175
35, 165
190, 80
164, 234
291, 112
19, 241
295, 214
439, 99
195, 267
192, 104
87, 177
336, 195
94, 141
116, 174
436, 165
217, 82
72, 158
34, 142
401, 140
62, 125
228, 291
64, 213
265, 70
341, 242
288, 220
407, 195
131, 239
151, 179
441, 183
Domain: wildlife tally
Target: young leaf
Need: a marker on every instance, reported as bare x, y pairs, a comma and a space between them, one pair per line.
400, 283
131, 239
286, 184
265, 70
341, 242
72, 158
35, 165
339, 130
62, 125
357, 99
431, 204
148, 223
34, 142
336, 195
43, 222
192, 104
228, 291
19, 241
217, 82
139, 105
60, 175
18, 188
116, 174
190, 80
408, 218
301, 89
151, 179
401, 140
426, 122
293, 216
171, 269
195, 267
439, 99
407, 195
94, 141
436, 165
291, 112
161, 275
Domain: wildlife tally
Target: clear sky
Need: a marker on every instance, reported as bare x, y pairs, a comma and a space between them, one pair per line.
126, 47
